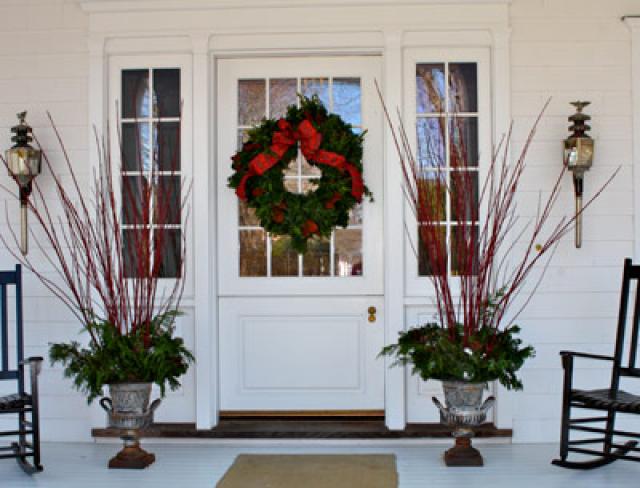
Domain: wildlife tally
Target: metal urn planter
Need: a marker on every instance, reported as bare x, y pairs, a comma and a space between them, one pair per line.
464, 410
129, 411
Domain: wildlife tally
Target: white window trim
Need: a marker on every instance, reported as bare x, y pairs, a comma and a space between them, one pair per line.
421, 286
633, 22
116, 65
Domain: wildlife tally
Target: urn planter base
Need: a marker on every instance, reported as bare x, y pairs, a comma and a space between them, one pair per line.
463, 454
129, 411
132, 457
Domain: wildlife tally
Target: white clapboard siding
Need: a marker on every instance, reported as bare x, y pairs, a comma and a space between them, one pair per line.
578, 305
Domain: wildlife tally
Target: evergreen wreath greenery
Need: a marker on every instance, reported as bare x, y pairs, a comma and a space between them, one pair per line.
330, 145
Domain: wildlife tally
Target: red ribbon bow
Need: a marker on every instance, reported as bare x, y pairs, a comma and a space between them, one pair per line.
310, 140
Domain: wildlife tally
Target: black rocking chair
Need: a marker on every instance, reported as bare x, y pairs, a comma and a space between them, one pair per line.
21, 402
610, 400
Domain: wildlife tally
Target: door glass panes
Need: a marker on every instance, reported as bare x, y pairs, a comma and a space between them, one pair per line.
266, 255
151, 182
166, 92
346, 99
284, 260
135, 93
463, 87
282, 93
316, 86
253, 252
448, 153
136, 150
251, 102
430, 88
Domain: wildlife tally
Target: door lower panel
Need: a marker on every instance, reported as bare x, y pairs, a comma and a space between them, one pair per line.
300, 354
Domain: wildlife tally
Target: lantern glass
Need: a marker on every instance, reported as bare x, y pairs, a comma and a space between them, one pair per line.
578, 152
25, 163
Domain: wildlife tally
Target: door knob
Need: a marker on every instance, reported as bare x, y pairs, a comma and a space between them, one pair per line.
372, 314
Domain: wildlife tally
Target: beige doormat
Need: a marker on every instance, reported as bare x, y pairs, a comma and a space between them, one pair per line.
311, 471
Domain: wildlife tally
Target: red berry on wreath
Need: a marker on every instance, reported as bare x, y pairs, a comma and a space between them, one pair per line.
250, 146
277, 216
309, 228
257, 192
332, 202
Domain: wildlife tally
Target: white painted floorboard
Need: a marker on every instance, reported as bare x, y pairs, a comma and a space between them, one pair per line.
75, 465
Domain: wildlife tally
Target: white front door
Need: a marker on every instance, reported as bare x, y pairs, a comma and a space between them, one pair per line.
294, 330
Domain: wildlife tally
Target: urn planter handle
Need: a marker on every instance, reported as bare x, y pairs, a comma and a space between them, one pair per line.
488, 403
154, 404
104, 401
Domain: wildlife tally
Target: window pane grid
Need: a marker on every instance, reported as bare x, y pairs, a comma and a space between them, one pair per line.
451, 115
298, 172
149, 119
437, 104
151, 104
447, 148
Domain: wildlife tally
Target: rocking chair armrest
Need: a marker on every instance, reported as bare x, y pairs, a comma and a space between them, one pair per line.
572, 354
34, 362
32, 359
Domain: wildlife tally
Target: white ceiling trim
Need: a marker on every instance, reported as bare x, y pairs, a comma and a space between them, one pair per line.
172, 5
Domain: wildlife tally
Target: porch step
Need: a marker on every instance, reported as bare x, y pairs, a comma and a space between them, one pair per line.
303, 428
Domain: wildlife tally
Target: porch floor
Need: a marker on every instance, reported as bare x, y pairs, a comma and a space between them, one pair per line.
193, 465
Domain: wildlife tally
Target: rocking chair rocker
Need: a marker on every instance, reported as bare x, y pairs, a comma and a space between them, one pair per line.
21, 402
611, 400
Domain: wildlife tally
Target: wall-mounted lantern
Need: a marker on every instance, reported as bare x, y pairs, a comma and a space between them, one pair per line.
578, 156
24, 163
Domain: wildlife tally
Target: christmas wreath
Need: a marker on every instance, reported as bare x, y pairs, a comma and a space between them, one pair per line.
328, 143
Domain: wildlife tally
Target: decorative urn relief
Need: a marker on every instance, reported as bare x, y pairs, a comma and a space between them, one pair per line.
128, 410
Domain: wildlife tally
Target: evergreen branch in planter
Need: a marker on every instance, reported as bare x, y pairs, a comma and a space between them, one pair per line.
119, 358
434, 353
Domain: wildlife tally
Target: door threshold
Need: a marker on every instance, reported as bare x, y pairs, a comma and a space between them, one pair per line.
302, 428
296, 414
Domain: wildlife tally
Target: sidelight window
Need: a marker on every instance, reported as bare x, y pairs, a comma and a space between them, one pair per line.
151, 176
